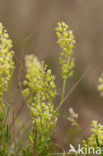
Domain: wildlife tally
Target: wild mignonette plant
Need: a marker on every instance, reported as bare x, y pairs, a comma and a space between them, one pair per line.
6, 72
66, 42
39, 93
96, 138
40, 90
93, 144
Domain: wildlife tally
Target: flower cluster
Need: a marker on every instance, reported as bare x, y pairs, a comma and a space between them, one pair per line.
100, 86
40, 90
6, 62
73, 116
97, 134
2, 112
6, 66
66, 42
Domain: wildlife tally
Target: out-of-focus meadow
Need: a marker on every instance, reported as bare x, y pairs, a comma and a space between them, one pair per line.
31, 26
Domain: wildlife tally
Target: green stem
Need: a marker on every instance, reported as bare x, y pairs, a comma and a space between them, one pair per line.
10, 102
63, 90
80, 130
3, 137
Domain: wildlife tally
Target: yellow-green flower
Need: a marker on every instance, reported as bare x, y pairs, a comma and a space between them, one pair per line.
6, 60
66, 42
100, 86
96, 138
40, 90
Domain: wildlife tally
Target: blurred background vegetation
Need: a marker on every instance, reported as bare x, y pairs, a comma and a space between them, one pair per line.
31, 26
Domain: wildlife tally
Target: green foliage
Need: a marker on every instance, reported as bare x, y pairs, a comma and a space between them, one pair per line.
4, 139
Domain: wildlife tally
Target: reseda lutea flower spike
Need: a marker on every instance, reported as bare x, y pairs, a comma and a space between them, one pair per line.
40, 91
6, 64
66, 42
